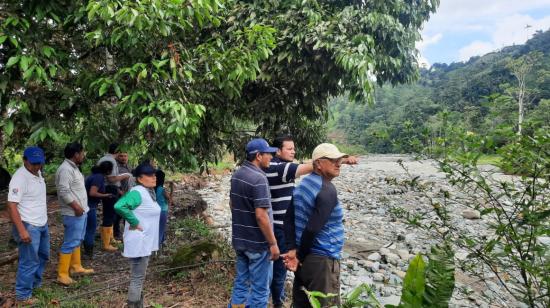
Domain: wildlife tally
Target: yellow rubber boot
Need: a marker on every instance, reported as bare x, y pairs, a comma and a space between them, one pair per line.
76, 264
106, 239
114, 241
63, 269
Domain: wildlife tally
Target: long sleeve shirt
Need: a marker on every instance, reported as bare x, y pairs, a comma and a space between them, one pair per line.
314, 220
69, 182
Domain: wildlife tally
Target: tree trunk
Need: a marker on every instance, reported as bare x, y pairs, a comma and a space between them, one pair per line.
521, 99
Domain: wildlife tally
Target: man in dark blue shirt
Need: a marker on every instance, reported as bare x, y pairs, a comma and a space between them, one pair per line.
252, 231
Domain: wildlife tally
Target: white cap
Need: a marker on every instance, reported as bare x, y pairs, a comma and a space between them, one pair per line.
327, 150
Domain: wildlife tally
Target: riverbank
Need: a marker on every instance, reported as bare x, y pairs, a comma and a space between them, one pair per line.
379, 241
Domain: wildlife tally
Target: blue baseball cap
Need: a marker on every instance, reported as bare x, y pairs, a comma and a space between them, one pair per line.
259, 145
34, 155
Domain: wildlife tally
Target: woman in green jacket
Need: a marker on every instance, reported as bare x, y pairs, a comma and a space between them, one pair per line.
141, 231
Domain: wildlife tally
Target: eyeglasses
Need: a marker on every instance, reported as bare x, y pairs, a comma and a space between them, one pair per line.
336, 161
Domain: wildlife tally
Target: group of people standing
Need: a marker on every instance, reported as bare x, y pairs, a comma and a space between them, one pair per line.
278, 227
136, 196
275, 226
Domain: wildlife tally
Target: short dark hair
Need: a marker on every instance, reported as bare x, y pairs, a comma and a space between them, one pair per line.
72, 148
251, 157
280, 140
105, 167
113, 148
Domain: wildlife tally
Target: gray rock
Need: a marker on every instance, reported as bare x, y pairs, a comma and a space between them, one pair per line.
378, 277
471, 214
390, 300
392, 258
400, 274
364, 263
384, 251
403, 254
374, 266
395, 280
409, 238
374, 256
387, 291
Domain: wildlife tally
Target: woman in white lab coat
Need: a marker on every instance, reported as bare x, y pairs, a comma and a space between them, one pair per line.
141, 231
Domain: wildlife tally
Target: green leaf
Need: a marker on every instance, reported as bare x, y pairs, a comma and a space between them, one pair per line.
3, 38
103, 89
24, 63
414, 283
12, 61
28, 73
53, 70
142, 74
440, 278
8, 128
47, 51
117, 90
14, 41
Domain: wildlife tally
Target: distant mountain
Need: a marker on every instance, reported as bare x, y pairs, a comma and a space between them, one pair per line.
477, 96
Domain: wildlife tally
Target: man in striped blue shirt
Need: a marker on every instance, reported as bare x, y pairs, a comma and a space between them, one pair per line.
252, 233
281, 175
314, 229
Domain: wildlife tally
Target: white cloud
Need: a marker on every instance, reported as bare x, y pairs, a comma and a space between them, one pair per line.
421, 46
475, 48
475, 27
512, 30
459, 15
428, 40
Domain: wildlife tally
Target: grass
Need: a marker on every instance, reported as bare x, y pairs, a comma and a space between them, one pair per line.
489, 159
193, 228
52, 295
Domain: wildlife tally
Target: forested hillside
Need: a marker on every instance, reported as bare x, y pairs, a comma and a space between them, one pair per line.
477, 97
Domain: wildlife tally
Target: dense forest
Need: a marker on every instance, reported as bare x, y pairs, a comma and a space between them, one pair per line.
480, 96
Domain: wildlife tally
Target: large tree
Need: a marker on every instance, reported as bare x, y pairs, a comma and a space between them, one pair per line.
183, 80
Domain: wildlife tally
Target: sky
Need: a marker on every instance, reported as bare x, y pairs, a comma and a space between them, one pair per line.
461, 29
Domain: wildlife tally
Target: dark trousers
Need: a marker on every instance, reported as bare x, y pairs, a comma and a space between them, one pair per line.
116, 226
317, 273
279, 270
91, 226
109, 206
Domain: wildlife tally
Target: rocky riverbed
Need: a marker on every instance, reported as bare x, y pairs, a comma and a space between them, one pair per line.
379, 242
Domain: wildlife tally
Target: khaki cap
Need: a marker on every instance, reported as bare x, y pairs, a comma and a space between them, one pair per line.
327, 150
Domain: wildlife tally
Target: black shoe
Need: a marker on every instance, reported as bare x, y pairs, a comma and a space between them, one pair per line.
89, 252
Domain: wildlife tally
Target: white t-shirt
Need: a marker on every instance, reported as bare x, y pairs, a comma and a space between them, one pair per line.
29, 192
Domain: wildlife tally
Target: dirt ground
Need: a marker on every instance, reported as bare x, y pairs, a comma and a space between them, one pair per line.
207, 285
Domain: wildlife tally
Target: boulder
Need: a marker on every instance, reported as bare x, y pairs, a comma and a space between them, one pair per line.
471, 214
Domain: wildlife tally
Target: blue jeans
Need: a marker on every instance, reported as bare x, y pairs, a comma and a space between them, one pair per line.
32, 259
162, 226
91, 226
254, 273
75, 229
279, 270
